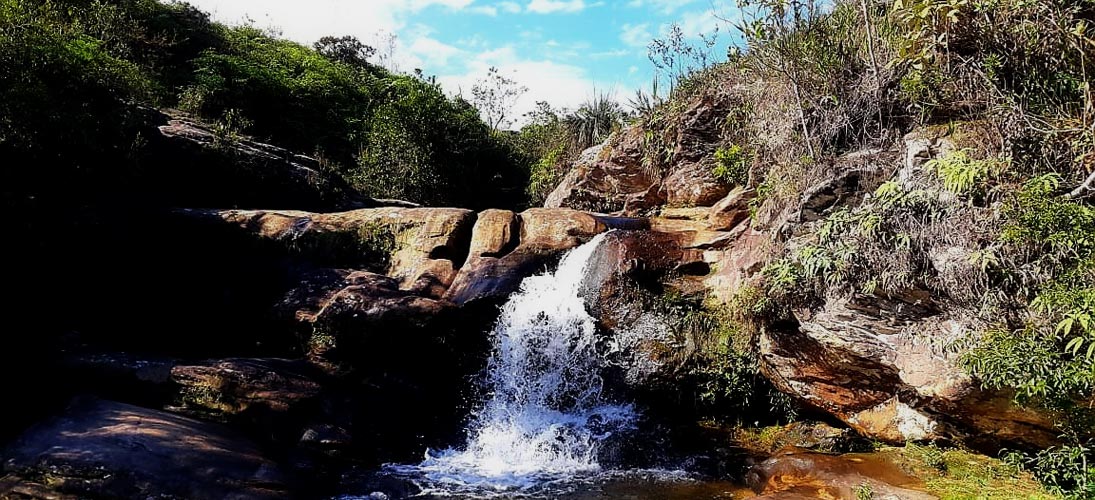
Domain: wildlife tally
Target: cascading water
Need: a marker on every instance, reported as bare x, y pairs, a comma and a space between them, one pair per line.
545, 416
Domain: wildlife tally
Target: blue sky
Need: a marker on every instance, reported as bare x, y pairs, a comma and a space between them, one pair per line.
562, 50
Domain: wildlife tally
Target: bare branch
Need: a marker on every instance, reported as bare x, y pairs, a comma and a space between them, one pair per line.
1085, 189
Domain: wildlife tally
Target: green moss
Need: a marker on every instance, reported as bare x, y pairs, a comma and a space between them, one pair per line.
725, 373
953, 474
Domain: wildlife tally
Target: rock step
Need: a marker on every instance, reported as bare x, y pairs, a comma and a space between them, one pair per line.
100, 448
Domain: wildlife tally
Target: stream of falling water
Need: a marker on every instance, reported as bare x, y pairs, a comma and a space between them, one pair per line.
545, 416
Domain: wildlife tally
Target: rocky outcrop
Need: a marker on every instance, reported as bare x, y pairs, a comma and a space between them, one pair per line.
638, 170
879, 364
195, 165
693, 185
102, 449
609, 179
507, 247
422, 248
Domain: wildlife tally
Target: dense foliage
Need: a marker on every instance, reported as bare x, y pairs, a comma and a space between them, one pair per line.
69, 63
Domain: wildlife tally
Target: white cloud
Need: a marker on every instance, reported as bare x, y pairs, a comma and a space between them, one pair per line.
549, 75
705, 22
433, 52
563, 85
665, 6
636, 35
510, 7
307, 22
609, 53
551, 6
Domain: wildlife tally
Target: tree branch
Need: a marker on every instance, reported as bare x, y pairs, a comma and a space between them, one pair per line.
1084, 189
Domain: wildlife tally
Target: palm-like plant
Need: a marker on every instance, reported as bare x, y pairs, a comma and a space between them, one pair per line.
594, 120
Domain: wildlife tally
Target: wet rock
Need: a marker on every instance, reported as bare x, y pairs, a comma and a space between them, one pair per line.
325, 437
102, 449
245, 386
542, 234
625, 279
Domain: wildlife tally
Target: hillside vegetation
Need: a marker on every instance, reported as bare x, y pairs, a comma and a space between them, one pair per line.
999, 91
70, 63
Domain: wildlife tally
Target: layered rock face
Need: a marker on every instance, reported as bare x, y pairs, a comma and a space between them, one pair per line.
878, 363
623, 176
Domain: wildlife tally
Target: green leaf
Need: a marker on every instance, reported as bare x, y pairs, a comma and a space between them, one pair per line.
1065, 326
1074, 345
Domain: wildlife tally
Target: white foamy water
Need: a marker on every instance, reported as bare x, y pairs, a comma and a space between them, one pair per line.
545, 417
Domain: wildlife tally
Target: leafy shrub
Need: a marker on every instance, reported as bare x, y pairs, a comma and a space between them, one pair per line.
731, 165
1065, 470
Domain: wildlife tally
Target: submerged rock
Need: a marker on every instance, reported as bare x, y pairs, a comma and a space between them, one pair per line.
814, 475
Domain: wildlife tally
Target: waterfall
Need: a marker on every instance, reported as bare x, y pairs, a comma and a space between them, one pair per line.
544, 416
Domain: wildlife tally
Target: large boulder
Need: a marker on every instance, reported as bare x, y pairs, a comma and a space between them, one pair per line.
609, 178
868, 361
103, 449
627, 275
693, 184
508, 248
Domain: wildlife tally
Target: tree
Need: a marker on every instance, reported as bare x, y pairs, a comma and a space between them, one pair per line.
495, 96
345, 49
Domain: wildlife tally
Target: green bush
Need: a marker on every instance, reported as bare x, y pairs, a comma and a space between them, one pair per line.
731, 165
